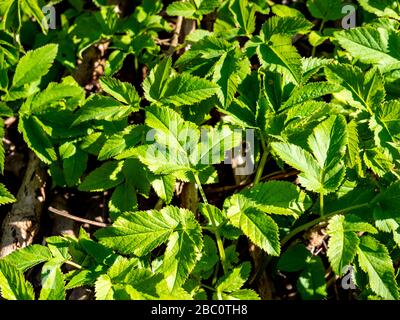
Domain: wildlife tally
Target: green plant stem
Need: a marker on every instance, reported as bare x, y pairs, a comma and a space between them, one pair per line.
257, 179
312, 223
321, 204
260, 168
314, 49
220, 244
73, 264
395, 174
159, 204
319, 30
207, 287
136, 64
262, 163
215, 276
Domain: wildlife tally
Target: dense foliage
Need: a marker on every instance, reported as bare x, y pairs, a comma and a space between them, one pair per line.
323, 103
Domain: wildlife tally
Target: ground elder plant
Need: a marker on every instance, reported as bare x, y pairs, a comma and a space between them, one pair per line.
200, 149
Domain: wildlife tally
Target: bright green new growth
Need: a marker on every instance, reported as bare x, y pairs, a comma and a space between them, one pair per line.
322, 170
147, 136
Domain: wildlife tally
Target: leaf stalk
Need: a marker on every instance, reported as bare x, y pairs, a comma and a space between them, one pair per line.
312, 223
215, 229
262, 163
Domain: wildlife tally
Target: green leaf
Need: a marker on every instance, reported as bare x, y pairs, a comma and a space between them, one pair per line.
160, 160
59, 247
102, 108
229, 286
285, 26
325, 10
36, 137
354, 223
122, 91
13, 285
379, 161
204, 54
324, 172
342, 246
381, 8
137, 175
386, 126
185, 89
214, 144
5, 110
171, 129
207, 6
235, 279
154, 84
84, 277
353, 146
311, 283
11, 13
301, 160
115, 62
121, 141
278, 197
67, 94
183, 251
226, 229
5, 195
176, 149
372, 46
209, 258
385, 210
33, 9
311, 66
140, 232
100, 253
105, 177
310, 91
74, 166
184, 9
34, 65
244, 15
375, 260
316, 38
281, 56
242, 294
28, 257
174, 139
385, 221
366, 89
229, 71
103, 288
164, 186
389, 199
53, 286
255, 224
123, 199
294, 259
328, 142
2, 153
